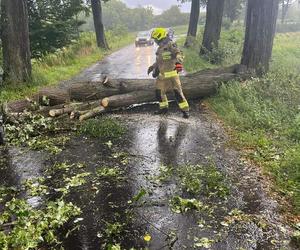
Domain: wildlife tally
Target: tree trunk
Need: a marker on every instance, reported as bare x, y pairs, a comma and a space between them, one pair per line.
125, 92
213, 25
245, 17
15, 40
260, 31
285, 8
193, 25
98, 23
282, 11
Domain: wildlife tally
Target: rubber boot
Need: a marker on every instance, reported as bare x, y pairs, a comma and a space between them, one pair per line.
185, 114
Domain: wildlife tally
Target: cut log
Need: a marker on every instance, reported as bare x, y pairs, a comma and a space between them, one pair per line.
73, 107
91, 114
77, 114
128, 99
58, 112
55, 96
29, 104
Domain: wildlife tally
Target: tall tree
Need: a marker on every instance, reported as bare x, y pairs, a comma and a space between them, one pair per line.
15, 41
285, 5
260, 31
233, 9
193, 23
98, 23
212, 32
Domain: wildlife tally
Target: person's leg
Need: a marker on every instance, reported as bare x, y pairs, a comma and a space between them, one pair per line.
161, 96
180, 98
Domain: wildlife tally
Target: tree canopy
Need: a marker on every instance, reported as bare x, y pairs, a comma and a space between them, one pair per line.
53, 23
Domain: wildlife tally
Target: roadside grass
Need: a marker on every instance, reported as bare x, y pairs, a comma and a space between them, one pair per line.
228, 53
265, 116
64, 64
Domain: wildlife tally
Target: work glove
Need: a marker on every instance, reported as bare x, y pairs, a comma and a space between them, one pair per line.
150, 69
178, 67
155, 72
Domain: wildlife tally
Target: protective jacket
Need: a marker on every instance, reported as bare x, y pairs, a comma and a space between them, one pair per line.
167, 55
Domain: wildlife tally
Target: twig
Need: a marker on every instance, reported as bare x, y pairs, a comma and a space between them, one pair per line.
8, 224
151, 224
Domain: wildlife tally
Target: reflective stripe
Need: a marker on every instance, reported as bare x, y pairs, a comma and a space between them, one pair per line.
163, 105
166, 55
184, 105
170, 74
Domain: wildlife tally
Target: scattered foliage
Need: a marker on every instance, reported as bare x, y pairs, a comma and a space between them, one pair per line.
34, 131
197, 179
181, 205
23, 226
202, 242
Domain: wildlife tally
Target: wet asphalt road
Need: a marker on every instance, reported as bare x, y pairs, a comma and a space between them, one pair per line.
153, 141
129, 62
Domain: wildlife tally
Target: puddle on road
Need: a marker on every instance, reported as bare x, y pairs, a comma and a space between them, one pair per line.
18, 165
152, 142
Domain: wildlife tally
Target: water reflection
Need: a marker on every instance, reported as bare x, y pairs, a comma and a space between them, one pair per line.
169, 139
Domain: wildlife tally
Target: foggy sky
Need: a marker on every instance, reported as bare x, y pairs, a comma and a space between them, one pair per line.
158, 5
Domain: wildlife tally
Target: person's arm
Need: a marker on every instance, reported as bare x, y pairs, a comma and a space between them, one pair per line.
151, 68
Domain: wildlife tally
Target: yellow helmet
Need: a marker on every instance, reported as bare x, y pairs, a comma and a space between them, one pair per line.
159, 34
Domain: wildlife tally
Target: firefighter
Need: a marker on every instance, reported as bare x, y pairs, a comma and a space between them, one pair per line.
168, 64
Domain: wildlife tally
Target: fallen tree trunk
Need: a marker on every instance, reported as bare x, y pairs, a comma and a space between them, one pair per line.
124, 92
199, 84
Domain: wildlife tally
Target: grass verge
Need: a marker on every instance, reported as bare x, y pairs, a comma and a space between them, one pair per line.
263, 112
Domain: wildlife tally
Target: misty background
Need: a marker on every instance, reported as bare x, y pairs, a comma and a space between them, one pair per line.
158, 5
137, 15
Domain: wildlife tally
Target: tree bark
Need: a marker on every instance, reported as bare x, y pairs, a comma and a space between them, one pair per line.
98, 23
15, 41
260, 32
213, 25
193, 24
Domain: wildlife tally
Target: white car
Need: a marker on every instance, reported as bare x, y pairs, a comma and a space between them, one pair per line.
143, 38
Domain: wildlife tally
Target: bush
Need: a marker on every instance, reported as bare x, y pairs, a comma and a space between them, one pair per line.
226, 24
216, 56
